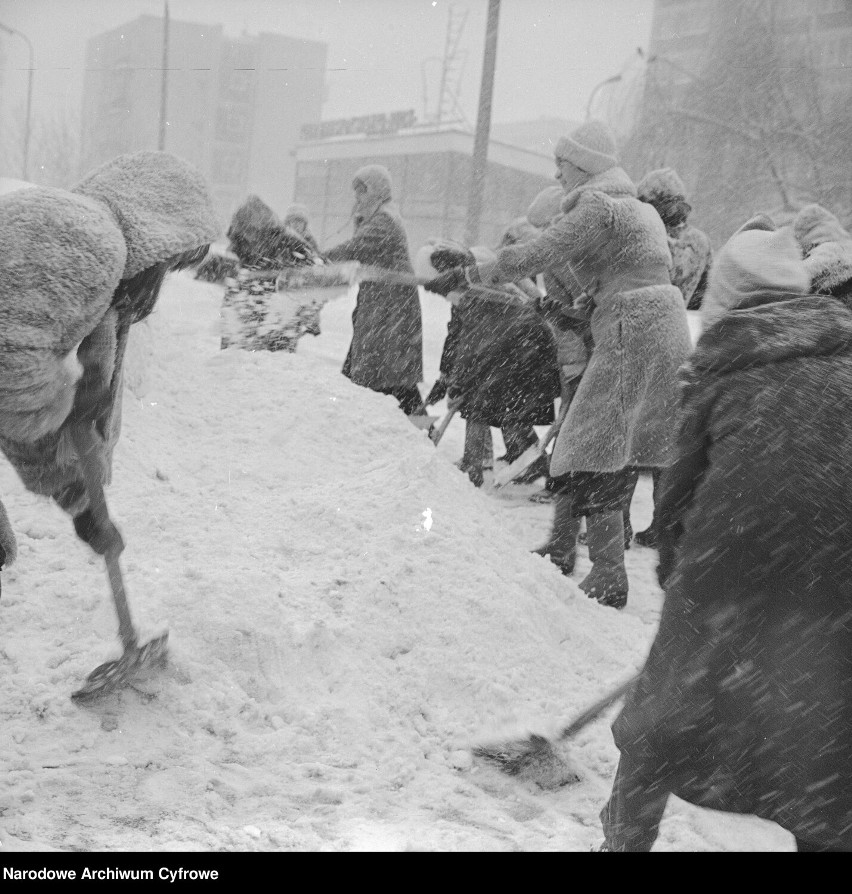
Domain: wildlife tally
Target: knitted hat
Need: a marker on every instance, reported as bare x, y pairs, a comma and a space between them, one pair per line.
662, 183
545, 206
830, 266
814, 225
591, 148
754, 263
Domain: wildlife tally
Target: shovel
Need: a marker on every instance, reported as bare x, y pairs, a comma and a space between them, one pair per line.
535, 758
435, 434
136, 658
508, 474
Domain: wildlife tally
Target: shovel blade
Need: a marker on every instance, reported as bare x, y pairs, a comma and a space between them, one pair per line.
112, 675
503, 476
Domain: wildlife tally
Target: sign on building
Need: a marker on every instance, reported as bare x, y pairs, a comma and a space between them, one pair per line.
372, 125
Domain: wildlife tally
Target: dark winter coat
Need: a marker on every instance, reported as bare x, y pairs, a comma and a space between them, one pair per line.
77, 269
500, 358
745, 703
614, 247
387, 330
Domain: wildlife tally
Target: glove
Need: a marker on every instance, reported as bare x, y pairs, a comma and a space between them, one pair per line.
450, 281
446, 257
438, 392
455, 400
101, 540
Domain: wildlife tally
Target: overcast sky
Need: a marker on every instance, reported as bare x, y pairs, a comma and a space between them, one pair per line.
550, 56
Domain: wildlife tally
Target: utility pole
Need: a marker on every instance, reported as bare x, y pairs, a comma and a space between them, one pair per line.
479, 162
164, 87
28, 122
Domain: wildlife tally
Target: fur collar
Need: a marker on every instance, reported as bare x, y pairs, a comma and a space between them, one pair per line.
769, 333
615, 183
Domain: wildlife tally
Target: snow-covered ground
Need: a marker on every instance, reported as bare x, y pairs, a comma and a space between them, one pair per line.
347, 616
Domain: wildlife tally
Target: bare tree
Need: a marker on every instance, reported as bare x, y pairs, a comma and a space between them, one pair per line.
54, 155
758, 128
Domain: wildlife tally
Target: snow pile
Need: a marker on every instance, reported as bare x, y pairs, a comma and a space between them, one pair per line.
347, 615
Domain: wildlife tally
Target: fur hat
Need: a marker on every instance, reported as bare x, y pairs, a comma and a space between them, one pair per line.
253, 214
662, 183
297, 212
161, 204
545, 206
814, 225
754, 262
830, 266
591, 148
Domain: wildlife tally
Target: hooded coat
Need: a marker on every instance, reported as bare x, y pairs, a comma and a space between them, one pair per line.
745, 702
386, 351
614, 248
77, 269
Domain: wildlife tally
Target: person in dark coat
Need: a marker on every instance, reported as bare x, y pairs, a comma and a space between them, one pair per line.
498, 362
745, 701
386, 353
614, 251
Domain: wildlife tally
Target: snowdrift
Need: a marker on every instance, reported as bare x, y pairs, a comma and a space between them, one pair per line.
347, 614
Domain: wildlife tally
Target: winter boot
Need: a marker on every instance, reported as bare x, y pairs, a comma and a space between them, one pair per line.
607, 581
648, 537
478, 451
561, 547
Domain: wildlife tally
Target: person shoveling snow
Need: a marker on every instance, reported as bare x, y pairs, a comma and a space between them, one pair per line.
79, 267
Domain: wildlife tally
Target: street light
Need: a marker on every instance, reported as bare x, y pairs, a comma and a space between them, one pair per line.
613, 80
24, 37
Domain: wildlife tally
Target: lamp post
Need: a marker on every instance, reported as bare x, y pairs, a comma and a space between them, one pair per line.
613, 80
479, 162
164, 82
14, 32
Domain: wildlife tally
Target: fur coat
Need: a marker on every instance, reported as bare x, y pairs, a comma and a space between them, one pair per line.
614, 248
692, 255
745, 702
67, 269
387, 330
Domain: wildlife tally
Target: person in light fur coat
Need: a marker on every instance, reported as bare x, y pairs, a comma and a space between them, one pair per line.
614, 250
78, 268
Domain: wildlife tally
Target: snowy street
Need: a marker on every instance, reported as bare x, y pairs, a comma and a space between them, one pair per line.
347, 614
